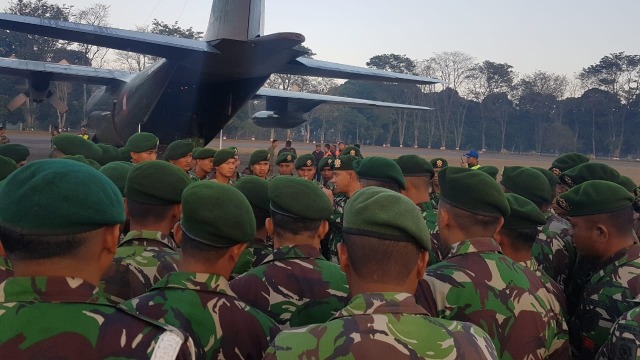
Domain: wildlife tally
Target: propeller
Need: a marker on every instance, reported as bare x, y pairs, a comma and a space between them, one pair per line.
17, 101
59, 105
21, 98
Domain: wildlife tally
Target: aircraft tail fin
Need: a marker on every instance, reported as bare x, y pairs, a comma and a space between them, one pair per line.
235, 19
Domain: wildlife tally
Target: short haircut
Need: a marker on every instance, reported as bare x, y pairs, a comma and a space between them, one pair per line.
521, 239
140, 212
327, 146
619, 222
379, 183
291, 225
418, 182
38, 247
288, 142
201, 251
274, 141
470, 223
260, 215
381, 261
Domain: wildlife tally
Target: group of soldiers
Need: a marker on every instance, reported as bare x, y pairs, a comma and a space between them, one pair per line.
112, 253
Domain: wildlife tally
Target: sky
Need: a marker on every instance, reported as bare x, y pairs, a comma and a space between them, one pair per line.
559, 36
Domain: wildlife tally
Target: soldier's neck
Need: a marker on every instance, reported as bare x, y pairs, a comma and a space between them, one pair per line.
221, 267
201, 174
222, 179
358, 287
165, 227
59, 267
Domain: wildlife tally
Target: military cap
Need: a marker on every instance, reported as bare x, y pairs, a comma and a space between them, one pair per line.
7, 166
490, 170
142, 142
627, 183
223, 155
229, 223
414, 165
373, 212
528, 183
124, 154
81, 159
16, 152
30, 193
256, 190
305, 161
594, 197
156, 183
297, 197
179, 149
109, 153
325, 162
589, 171
524, 214
552, 179
117, 172
568, 161
352, 150
472, 191
344, 162
439, 163
71, 144
258, 156
381, 169
286, 157
204, 153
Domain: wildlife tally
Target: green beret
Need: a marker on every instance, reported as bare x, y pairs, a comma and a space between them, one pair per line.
256, 190
594, 197
552, 179
627, 183
81, 159
258, 156
223, 155
568, 161
490, 170
109, 153
156, 183
297, 197
286, 157
381, 169
373, 212
528, 183
351, 150
305, 161
228, 223
204, 153
124, 154
524, 214
7, 166
117, 172
589, 171
42, 198
439, 163
344, 162
414, 165
16, 152
142, 142
179, 149
71, 144
327, 161
472, 191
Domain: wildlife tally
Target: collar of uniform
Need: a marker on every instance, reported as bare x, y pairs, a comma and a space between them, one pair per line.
381, 303
425, 206
150, 235
474, 245
5, 264
530, 264
195, 281
609, 266
293, 252
51, 290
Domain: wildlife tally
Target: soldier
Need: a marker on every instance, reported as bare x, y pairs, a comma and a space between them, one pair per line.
624, 340
180, 154
477, 283
225, 163
588, 171
53, 308
16, 152
287, 148
295, 286
84, 134
490, 170
380, 171
383, 261
470, 160
153, 193
306, 166
353, 151
197, 298
326, 173
438, 164
346, 184
79, 158
417, 173
110, 153
7, 166
566, 162
272, 154
601, 216
142, 147
256, 191
259, 163
204, 164
285, 163
4, 139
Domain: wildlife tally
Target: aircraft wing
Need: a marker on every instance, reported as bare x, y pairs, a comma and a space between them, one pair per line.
59, 72
311, 67
305, 102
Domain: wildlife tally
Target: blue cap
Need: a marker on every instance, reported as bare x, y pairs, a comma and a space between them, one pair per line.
473, 154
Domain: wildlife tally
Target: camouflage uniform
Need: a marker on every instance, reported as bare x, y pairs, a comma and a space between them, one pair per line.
6, 270
384, 326
254, 254
220, 325
142, 259
193, 176
430, 216
608, 294
554, 249
476, 283
68, 318
554, 289
335, 226
624, 341
295, 286
434, 199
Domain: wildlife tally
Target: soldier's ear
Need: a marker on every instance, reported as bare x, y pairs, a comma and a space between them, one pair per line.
268, 225
343, 258
177, 233
235, 252
3, 253
601, 235
323, 229
423, 259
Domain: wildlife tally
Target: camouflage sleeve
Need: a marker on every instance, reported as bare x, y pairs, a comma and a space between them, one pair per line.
624, 339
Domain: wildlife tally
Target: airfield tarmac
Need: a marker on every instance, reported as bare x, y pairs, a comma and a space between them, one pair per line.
39, 143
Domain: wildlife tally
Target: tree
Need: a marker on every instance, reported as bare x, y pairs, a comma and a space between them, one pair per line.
392, 62
162, 28
96, 15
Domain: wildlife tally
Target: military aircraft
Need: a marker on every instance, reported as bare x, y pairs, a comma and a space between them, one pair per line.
197, 86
